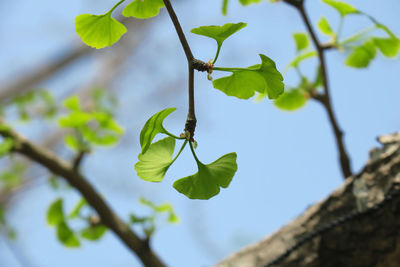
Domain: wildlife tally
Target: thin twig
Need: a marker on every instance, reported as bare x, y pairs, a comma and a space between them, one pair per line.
63, 169
325, 98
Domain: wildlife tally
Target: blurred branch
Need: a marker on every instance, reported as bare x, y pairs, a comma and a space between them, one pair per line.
63, 169
325, 98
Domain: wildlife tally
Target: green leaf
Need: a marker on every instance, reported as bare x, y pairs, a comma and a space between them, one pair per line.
6, 146
291, 100
342, 7
302, 41
75, 212
388, 46
248, 2
243, 83
219, 33
153, 165
225, 7
325, 27
55, 213
134, 219
362, 55
99, 31
153, 127
66, 236
207, 181
143, 9
299, 58
72, 103
72, 142
93, 233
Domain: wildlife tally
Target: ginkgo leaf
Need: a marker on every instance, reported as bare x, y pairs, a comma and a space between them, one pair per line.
207, 181
153, 127
248, 2
93, 233
219, 33
143, 9
325, 27
66, 236
55, 213
301, 57
153, 165
291, 100
301, 40
388, 46
362, 55
243, 83
342, 7
99, 31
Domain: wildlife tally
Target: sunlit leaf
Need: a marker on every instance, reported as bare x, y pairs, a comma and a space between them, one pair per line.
55, 213
248, 2
225, 7
207, 181
263, 78
66, 236
388, 46
143, 9
153, 165
219, 33
325, 27
302, 41
93, 233
153, 127
362, 55
99, 31
301, 57
342, 7
6, 146
77, 209
291, 100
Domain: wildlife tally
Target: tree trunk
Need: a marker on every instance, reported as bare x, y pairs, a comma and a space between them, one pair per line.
338, 231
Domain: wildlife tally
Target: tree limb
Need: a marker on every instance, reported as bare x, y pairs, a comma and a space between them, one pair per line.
61, 168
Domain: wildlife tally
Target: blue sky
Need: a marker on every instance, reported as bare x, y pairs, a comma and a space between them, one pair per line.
287, 161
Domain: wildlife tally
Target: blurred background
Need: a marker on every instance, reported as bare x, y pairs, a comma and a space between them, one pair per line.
286, 161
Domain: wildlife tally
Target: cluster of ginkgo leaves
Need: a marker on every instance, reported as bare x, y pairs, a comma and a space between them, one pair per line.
93, 229
361, 48
155, 159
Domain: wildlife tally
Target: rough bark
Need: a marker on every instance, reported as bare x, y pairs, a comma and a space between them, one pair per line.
369, 238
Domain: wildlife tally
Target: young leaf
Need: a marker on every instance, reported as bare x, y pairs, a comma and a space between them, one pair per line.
143, 9
219, 33
248, 2
301, 40
342, 7
299, 58
153, 165
75, 212
93, 233
291, 100
66, 236
207, 181
153, 127
99, 31
388, 46
225, 7
325, 27
6, 146
243, 83
362, 55
55, 213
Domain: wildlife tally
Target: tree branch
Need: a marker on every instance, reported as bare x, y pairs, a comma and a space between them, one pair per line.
61, 168
325, 99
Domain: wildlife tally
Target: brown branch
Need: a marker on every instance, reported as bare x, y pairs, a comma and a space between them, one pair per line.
61, 168
325, 99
